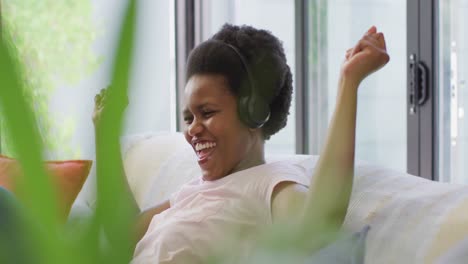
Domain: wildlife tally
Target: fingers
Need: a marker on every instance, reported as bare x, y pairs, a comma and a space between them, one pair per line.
370, 38
369, 34
372, 33
99, 104
103, 97
97, 99
348, 53
378, 36
368, 49
371, 30
358, 48
381, 38
373, 41
377, 39
370, 46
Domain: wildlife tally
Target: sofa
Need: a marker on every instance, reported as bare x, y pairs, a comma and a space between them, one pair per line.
412, 220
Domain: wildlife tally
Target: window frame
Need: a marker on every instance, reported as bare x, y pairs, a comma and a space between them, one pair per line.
421, 125
301, 88
185, 38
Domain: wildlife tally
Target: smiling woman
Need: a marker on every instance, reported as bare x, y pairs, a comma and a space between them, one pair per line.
237, 95
221, 141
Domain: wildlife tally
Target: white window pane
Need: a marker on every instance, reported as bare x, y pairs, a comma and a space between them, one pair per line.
151, 103
453, 97
381, 123
153, 71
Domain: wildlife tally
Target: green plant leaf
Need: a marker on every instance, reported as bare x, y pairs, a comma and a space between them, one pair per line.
35, 188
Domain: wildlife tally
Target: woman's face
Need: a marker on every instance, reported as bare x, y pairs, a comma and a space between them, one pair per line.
223, 144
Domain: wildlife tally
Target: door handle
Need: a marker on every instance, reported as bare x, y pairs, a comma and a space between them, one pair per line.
419, 83
423, 83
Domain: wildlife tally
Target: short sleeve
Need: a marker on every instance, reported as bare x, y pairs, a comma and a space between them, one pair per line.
284, 172
173, 197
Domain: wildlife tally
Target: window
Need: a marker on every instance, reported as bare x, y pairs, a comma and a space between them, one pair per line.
430, 142
152, 76
335, 26
151, 88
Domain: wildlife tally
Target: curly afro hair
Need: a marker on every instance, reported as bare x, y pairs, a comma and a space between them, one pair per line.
265, 58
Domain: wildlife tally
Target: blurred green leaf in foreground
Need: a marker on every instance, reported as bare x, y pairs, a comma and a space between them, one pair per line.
48, 241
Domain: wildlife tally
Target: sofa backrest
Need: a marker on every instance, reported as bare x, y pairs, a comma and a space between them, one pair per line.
412, 220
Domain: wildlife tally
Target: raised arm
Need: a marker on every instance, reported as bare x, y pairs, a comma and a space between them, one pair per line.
142, 219
328, 196
99, 105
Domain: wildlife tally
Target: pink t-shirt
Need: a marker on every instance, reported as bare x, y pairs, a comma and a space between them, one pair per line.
204, 214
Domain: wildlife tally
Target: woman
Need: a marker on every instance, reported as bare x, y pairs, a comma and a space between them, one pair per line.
238, 94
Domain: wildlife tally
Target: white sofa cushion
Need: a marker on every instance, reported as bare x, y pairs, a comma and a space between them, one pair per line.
456, 255
144, 157
412, 220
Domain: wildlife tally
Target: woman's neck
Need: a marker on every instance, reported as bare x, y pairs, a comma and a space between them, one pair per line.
254, 157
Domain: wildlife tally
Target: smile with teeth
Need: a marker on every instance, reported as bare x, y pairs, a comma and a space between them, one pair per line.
202, 146
204, 151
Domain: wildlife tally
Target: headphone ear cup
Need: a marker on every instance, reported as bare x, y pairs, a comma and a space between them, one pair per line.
254, 113
242, 108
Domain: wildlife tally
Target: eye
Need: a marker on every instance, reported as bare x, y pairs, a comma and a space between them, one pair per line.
208, 113
188, 119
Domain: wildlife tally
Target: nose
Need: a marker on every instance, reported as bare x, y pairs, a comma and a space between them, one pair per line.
195, 128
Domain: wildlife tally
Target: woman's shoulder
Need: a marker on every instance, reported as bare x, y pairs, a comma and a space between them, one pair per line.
277, 168
287, 201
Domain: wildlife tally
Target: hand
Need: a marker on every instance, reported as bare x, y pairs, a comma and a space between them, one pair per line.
368, 56
100, 102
